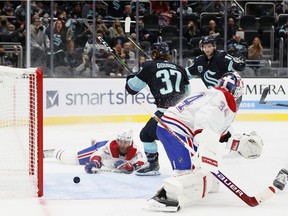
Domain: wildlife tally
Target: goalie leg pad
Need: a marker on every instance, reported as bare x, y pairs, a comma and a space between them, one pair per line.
188, 187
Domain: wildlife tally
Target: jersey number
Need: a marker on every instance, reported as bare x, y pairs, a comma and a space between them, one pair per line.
166, 74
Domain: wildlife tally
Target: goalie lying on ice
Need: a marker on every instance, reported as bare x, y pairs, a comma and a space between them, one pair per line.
191, 133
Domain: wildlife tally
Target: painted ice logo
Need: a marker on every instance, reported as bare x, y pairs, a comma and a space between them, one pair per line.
52, 99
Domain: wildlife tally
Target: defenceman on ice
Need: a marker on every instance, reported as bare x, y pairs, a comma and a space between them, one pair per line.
168, 84
120, 153
201, 120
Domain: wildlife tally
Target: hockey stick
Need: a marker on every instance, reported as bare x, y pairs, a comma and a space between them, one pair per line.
251, 201
107, 170
120, 60
263, 97
127, 32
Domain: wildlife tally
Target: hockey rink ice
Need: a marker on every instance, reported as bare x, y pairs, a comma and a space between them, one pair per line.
111, 194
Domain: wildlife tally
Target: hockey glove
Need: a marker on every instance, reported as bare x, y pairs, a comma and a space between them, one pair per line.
124, 166
92, 164
239, 63
249, 146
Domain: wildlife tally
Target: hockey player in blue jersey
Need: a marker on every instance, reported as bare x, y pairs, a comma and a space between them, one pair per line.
168, 83
213, 63
120, 153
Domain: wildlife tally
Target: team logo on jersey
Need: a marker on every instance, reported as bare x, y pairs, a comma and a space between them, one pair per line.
200, 68
52, 99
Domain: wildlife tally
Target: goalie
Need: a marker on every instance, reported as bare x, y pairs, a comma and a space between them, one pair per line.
191, 133
120, 153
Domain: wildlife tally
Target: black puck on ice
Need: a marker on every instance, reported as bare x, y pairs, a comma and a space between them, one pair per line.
76, 179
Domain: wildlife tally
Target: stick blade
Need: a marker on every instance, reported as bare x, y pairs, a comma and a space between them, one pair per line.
264, 95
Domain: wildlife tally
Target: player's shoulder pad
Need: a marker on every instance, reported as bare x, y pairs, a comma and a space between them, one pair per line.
229, 98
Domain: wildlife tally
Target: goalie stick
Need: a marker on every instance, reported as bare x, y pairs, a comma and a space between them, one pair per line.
263, 97
252, 201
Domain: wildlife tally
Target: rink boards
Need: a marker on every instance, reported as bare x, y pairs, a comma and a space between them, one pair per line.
70, 101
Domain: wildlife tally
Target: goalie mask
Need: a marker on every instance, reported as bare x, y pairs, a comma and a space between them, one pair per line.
233, 83
124, 140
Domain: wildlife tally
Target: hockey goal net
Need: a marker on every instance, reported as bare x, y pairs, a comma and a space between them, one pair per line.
21, 127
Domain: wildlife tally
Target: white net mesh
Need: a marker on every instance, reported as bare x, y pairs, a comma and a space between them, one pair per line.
18, 132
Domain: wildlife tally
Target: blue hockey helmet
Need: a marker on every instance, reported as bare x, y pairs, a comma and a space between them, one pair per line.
233, 83
207, 40
161, 47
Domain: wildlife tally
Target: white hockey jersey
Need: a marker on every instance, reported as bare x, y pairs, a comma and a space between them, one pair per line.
214, 109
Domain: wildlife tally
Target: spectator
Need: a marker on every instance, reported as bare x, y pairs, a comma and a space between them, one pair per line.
20, 12
232, 28
39, 43
129, 54
3, 24
128, 12
115, 12
139, 64
5, 60
216, 6
13, 35
255, 50
72, 57
159, 6
111, 66
8, 9
191, 31
59, 43
76, 11
186, 9
238, 46
86, 66
212, 29
146, 38
100, 26
55, 10
116, 30
100, 9
282, 8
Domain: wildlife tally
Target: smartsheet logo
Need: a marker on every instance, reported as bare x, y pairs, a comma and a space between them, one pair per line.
52, 99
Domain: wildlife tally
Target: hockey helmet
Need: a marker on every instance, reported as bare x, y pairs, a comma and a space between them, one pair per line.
207, 40
161, 47
125, 135
233, 83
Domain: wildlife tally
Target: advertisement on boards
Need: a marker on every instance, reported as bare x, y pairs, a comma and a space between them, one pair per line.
107, 97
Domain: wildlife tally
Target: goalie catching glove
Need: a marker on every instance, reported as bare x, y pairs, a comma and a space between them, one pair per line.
249, 146
124, 166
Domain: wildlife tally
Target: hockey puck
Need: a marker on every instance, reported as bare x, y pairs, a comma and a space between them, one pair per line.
76, 179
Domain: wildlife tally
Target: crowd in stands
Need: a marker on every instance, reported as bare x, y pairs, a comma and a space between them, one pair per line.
74, 47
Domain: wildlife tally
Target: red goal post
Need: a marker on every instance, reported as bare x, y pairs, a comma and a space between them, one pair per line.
21, 132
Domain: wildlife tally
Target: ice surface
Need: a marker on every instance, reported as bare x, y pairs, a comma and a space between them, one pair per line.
124, 195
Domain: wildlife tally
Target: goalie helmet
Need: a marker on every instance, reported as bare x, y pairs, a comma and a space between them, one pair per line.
161, 47
233, 83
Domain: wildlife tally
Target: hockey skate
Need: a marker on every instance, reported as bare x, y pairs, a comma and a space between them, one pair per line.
48, 153
160, 203
281, 179
151, 168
